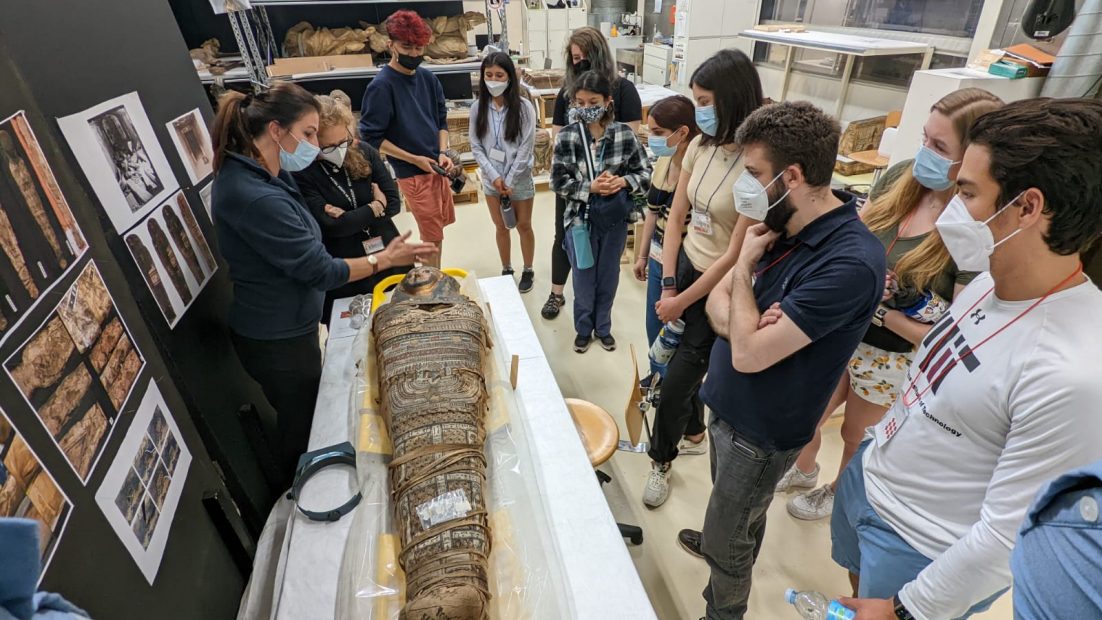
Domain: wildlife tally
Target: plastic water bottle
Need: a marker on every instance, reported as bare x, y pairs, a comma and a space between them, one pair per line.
814, 606
508, 215
664, 346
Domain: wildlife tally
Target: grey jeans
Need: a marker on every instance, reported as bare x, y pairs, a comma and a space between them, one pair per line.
744, 477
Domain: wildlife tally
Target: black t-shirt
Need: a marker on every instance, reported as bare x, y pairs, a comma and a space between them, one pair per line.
829, 286
628, 107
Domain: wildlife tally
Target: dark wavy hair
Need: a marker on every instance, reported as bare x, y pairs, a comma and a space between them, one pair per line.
736, 89
513, 105
242, 118
795, 132
596, 82
1054, 145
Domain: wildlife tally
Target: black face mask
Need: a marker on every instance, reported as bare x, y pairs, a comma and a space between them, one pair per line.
410, 62
582, 66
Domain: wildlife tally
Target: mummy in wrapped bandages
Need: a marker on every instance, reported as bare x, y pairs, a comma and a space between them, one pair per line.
431, 342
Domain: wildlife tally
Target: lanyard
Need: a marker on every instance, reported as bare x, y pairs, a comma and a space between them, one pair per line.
972, 351
899, 232
599, 156
696, 194
496, 124
349, 195
757, 274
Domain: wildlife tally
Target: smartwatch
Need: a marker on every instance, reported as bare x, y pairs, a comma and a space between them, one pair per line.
901, 612
878, 316
311, 463
669, 283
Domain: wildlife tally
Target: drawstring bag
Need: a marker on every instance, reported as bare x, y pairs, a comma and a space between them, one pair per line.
605, 212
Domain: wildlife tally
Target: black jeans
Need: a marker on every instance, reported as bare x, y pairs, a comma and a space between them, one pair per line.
680, 411
289, 373
560, 262
744, 478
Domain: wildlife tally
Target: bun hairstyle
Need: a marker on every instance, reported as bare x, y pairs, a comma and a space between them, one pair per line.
407, 27
242, 118
675, 112
334, 112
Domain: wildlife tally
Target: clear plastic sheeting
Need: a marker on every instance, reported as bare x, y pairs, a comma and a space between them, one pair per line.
525, 577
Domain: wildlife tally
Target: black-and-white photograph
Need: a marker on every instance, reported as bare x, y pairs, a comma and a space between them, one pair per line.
207, 195
130, 495
158, 429
192, 140
121, 157
145, 523
130, 162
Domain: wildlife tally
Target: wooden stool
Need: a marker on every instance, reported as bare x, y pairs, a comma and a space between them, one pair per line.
600, 436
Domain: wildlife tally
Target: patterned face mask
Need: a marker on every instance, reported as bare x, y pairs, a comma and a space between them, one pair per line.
588, 114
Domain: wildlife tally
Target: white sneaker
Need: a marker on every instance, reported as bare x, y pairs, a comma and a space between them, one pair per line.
814, 505
795, 479
685, 447
658, 486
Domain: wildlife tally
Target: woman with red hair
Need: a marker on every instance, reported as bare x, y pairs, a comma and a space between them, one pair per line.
413, 140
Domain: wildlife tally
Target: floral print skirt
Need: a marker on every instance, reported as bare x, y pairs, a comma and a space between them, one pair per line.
876, 375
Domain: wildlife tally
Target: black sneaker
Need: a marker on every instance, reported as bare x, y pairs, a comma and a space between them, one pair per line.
608, 343
552, 307
690, 541
581, 344
507, 271
526, 278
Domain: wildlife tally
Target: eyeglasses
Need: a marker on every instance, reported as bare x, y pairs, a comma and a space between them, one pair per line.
333, 149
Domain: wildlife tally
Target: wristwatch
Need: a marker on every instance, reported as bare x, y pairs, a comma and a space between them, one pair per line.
901, 612
669, 283
374, 262
878, 316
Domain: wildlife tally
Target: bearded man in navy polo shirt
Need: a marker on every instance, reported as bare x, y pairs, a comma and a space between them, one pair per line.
769, 378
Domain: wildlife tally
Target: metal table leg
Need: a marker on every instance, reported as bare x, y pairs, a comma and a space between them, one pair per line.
787, 71
847, 74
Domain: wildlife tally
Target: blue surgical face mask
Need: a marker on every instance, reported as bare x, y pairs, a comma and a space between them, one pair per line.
661, 147
932, 170
304, 155
706, 119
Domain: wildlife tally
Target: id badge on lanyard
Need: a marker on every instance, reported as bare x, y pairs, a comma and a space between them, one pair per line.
373, 245
656, 250
890, 424
701, 222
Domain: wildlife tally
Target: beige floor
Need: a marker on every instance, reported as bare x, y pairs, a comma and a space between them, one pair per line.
795, 554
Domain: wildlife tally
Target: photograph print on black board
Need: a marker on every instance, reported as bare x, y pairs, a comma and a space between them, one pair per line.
207, 195
28, 491
39, 238
173, 255
192, 140
141, 490
77, 371
119, 153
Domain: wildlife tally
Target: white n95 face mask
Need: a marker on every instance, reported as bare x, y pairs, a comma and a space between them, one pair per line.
496, 88
968, 240
751, 198
336, 156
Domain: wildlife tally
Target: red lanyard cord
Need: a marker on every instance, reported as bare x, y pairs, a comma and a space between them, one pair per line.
899, 232
757, 274
931, 383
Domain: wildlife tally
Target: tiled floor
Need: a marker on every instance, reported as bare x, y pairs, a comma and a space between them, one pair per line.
795, 554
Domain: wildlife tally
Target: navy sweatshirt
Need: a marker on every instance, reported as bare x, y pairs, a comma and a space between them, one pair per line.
409, 111
279, 267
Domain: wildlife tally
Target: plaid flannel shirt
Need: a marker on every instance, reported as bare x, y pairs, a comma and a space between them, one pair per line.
622, 155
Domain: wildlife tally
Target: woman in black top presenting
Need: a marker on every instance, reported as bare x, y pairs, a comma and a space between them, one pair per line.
352, 196
586, 50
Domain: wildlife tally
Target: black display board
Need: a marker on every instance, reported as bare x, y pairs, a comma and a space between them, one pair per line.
59, 57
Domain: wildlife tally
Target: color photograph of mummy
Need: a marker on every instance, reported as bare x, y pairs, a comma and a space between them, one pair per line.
142, 487
121, 158
28, 491
39, 238
77, 371
173, 256
192, 140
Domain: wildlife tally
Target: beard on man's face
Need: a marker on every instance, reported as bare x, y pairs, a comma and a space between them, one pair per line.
781, 212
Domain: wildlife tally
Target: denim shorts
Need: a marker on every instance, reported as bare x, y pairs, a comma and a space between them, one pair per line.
865, 545
524, 188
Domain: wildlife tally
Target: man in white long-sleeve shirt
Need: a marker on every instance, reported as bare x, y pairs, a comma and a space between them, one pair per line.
1004, 393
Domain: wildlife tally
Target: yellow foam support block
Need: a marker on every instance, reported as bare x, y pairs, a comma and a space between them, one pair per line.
389, 573
373, 437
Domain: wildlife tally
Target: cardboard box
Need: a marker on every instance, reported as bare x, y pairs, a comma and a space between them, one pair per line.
286, 67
